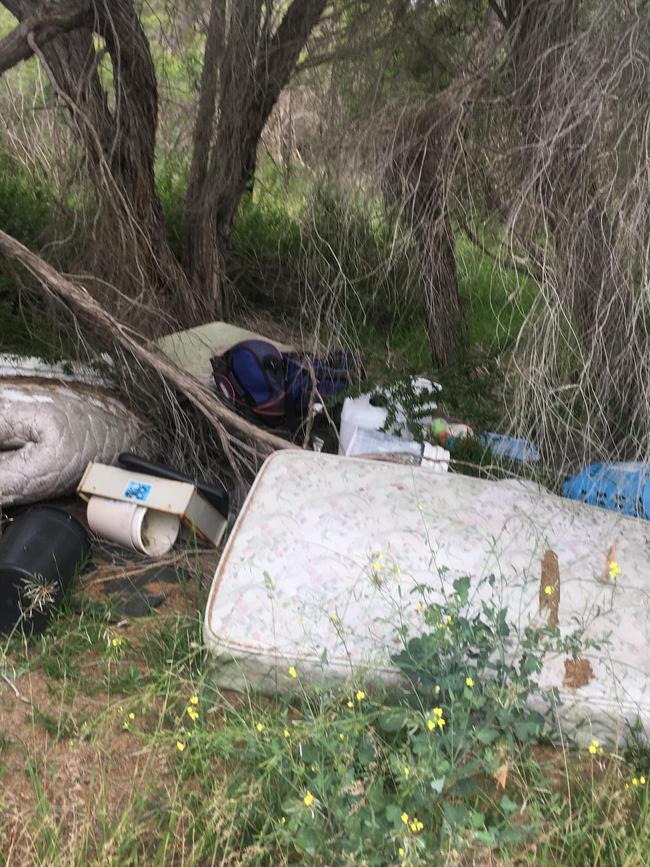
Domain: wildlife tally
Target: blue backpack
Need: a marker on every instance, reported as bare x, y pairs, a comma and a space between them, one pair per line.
251, 376
276, 388
303, 371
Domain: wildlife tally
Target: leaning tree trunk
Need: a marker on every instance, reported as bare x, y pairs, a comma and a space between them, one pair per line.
119, 145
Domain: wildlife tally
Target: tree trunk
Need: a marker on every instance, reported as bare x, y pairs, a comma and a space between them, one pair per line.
417, 184
255, 67
443, 309
204, 268
556, 143
120, 148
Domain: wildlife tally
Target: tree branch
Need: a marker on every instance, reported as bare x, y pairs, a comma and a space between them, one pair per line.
498, 11
50, 22
220, 417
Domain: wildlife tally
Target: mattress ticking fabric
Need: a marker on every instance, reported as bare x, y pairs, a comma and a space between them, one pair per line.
50, 431
297, 586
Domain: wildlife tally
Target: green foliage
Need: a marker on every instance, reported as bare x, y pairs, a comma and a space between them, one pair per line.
26, 201
388, 779
332, 777
265, 253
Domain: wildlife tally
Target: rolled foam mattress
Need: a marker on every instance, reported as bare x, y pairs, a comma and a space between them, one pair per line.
319, 570
50, 431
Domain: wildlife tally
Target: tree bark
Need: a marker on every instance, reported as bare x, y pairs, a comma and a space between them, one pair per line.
203, 265
256, 66
559, 159
49, 22
120, 149
417, 183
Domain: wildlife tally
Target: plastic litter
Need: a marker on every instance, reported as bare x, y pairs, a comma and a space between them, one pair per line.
176, 500
360, 413
512, 448
40, 554
132, 526
623, 487
372, 442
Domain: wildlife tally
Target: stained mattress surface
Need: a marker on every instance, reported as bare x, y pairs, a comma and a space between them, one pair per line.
320, 569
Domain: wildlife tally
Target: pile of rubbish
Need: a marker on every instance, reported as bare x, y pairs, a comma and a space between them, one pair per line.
312, 521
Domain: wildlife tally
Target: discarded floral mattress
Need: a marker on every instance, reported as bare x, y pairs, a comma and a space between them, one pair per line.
321, 568
50, 430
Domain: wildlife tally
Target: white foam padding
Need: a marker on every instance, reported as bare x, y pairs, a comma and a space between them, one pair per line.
50, 431
297, 583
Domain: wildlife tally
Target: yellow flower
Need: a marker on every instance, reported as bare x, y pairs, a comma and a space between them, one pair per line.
350, 704
192, 714
286, 733
437, 711
548, 590
432, 724
416, 825
333, 618
450, 619
194, 700
116, 642
400, 852
283, 820
407, 771
405, 818
308, 799
342, 737
642, 781
635, 781
180, 746
594, 746
260, 727
614, 570
469, 681
131, 715
360, 695
292, 672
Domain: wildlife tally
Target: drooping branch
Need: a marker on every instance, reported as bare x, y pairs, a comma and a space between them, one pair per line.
82, 303
46, 24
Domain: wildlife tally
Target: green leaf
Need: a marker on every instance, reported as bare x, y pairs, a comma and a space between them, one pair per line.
307, 840
457, 815
393, 720
487, 838
487, 736
461, 586
393, 813
476, 819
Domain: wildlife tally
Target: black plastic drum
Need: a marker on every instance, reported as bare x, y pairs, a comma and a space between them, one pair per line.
40, 554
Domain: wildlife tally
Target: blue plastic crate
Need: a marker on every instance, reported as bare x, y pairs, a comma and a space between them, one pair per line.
621, 488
